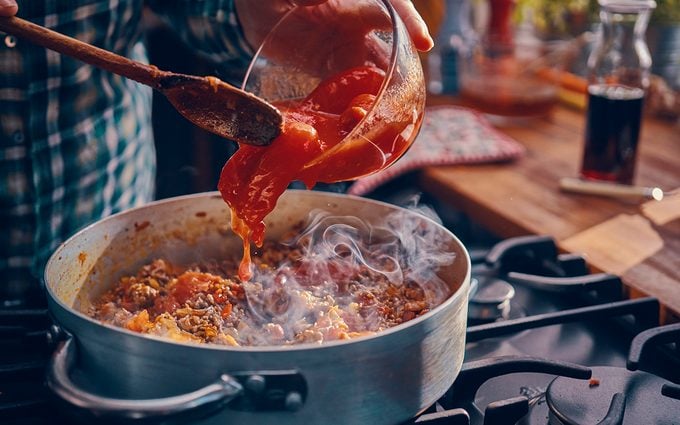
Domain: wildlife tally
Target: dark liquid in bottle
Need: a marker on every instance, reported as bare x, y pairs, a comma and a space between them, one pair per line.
612, 131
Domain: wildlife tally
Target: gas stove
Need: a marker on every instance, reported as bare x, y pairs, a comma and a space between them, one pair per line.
547, 343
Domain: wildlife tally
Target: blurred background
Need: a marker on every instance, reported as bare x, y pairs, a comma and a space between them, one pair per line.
507, 58
528, 54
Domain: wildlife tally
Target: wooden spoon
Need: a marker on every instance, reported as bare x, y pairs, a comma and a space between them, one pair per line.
205, 101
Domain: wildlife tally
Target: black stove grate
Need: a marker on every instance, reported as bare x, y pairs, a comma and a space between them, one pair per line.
554, 291
644, 314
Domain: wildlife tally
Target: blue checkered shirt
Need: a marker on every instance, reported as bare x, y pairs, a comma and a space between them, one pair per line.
76, 142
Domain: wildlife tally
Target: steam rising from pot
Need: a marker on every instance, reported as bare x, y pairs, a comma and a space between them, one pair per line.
347, 271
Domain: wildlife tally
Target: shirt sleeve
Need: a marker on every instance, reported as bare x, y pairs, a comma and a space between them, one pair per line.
209, 26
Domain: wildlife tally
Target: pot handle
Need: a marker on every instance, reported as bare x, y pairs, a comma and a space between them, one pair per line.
257, 391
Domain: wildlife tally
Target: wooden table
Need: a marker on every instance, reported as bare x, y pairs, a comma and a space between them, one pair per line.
638, 241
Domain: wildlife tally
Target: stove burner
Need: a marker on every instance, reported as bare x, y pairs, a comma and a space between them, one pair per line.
492, 296
491, 301
530, 262
574, 402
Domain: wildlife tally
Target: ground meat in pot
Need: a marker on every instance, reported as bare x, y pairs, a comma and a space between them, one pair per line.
286, 302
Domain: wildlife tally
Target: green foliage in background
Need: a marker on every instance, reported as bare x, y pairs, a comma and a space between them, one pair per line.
550, 15
565, 16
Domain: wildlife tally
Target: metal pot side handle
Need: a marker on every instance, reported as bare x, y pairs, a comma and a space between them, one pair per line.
248, 391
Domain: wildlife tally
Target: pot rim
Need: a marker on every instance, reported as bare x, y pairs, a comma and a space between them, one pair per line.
462, 290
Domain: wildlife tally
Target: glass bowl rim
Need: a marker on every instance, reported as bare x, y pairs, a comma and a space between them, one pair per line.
389, 72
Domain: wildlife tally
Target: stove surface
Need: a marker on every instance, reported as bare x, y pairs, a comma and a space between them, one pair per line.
547, 343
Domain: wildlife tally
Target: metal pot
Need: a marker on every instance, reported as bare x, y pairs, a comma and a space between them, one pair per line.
386, 378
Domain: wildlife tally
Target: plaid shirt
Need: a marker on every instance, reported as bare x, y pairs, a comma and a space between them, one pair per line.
76, 142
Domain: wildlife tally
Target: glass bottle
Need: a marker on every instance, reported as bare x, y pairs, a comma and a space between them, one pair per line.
618, 77
454, 40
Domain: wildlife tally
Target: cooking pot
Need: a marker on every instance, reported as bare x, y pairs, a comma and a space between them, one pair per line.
385, 378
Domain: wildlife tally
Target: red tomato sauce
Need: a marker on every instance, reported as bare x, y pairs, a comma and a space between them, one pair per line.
254, 178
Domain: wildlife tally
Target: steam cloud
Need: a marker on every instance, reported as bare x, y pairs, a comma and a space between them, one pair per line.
337, 258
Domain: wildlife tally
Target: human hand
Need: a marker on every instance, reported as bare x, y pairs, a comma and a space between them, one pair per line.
415, 24
258, 17
8, 7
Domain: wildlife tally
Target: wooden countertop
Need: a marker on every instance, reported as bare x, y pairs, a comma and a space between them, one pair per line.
638, 241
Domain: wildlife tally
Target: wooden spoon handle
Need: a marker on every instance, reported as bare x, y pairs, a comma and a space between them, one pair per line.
87, 53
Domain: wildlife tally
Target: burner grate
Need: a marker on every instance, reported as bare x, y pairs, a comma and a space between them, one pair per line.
644, 310
553, 287
640, 315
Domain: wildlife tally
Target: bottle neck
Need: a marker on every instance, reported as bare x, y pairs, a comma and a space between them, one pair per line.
621, 55
624, 28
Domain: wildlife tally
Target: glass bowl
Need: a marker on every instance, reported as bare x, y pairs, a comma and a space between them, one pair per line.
511, 79
283, 71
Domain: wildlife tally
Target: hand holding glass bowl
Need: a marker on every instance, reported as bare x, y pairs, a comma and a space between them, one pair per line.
348, 81
308, 44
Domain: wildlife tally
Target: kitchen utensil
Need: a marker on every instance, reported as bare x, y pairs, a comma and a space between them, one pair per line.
207, 102
611, 189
